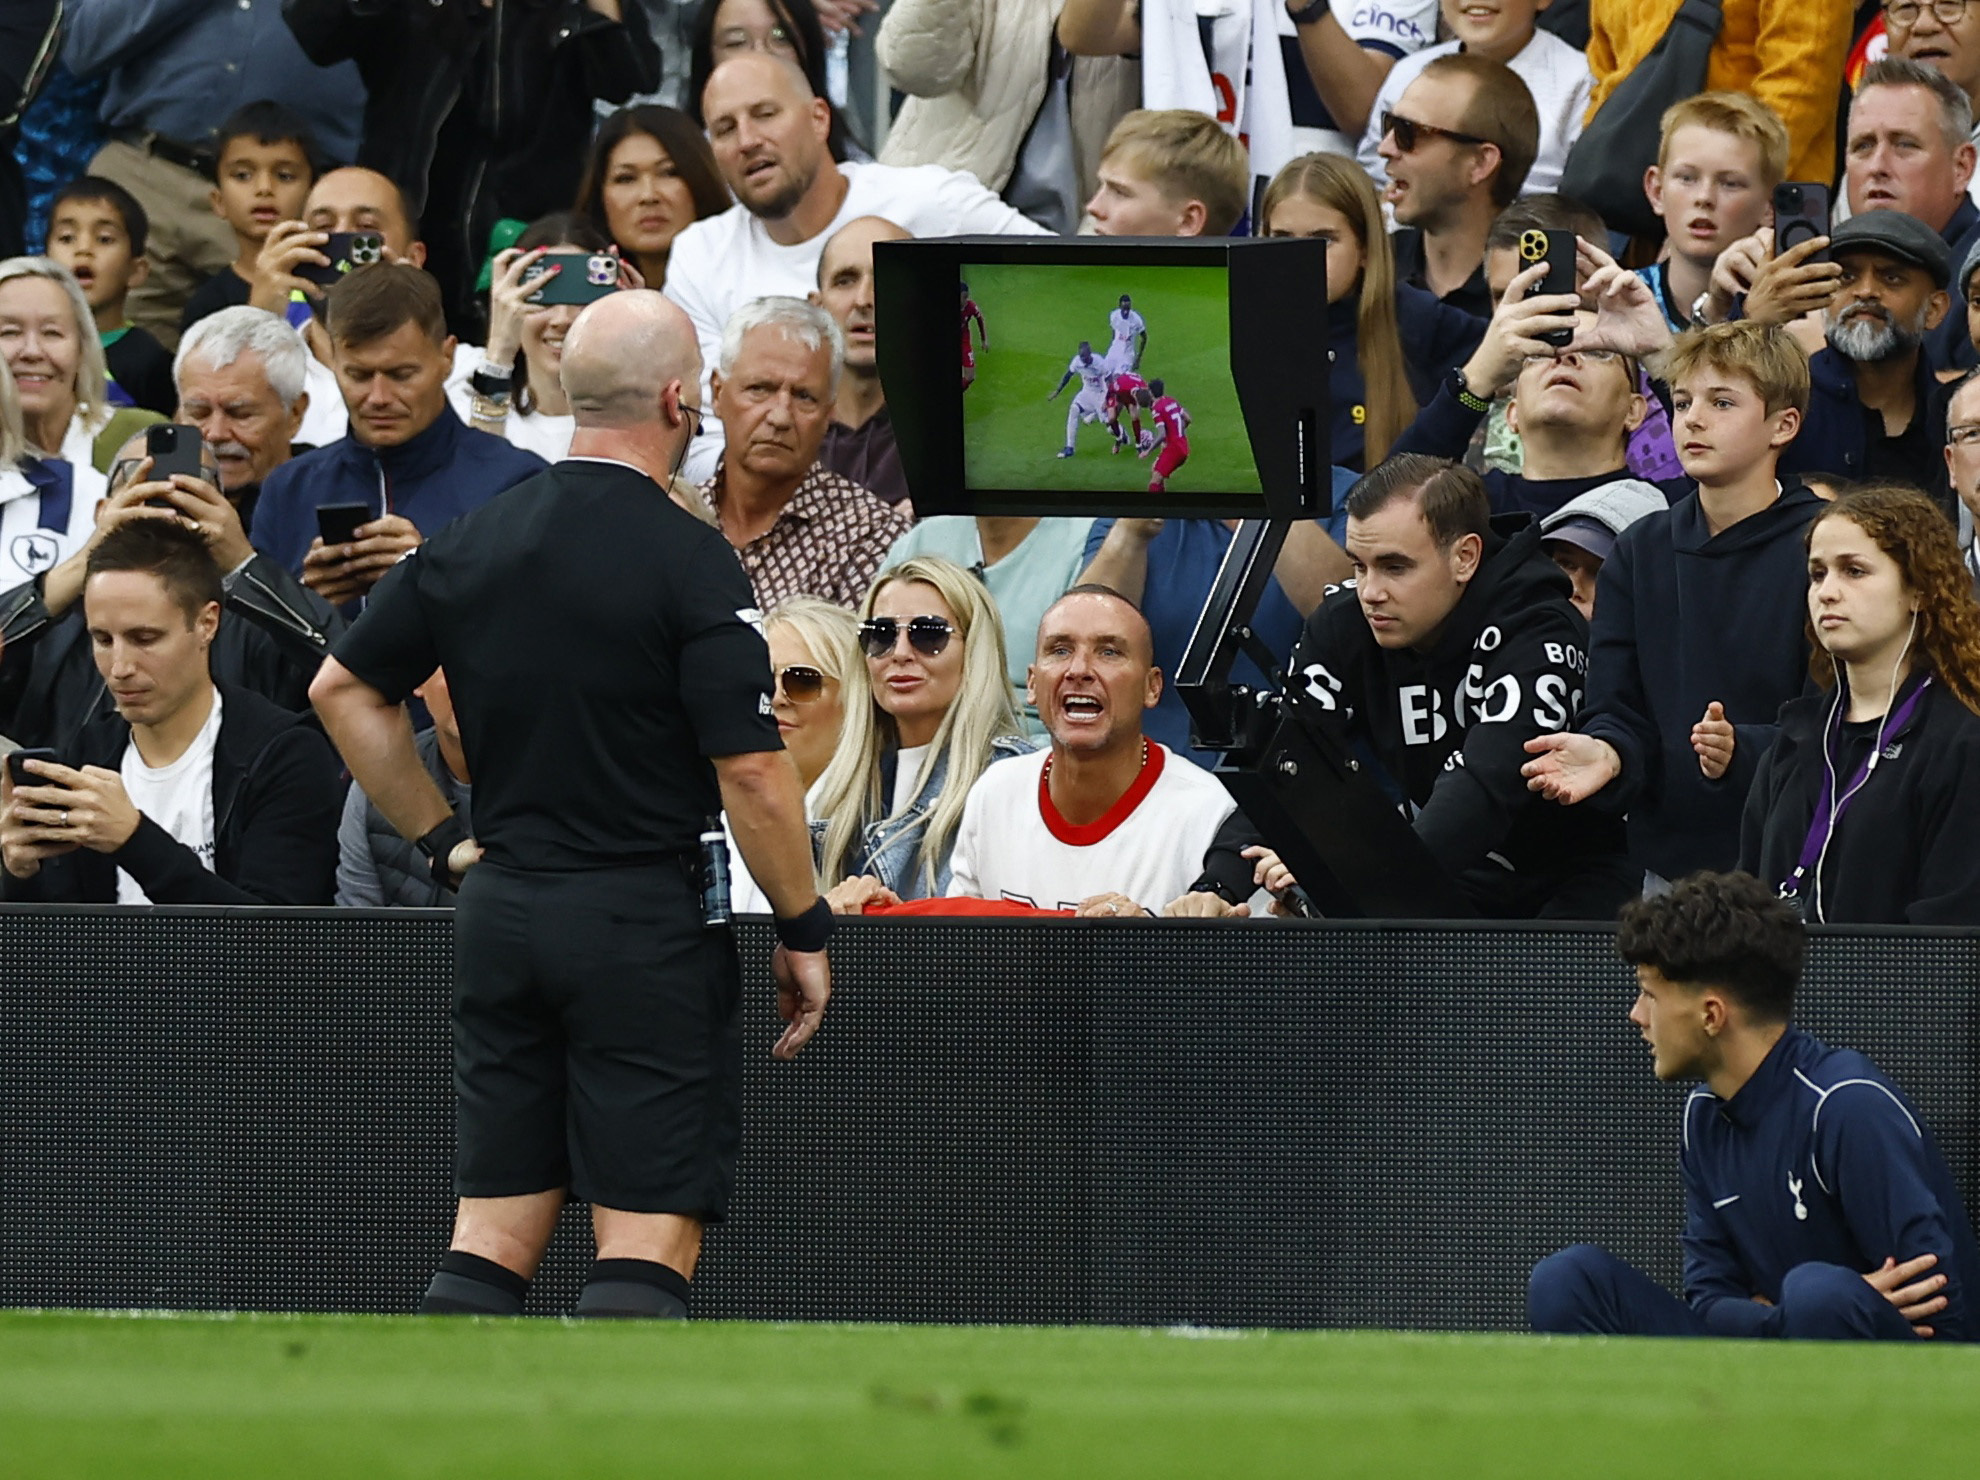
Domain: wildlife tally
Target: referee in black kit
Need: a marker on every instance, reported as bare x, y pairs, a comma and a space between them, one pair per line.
613, 695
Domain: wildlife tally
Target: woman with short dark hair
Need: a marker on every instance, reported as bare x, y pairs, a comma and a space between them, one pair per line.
650, 175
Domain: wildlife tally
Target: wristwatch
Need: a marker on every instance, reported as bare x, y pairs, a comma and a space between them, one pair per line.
492, 381
438, 846
1462, 391
1698, 319
1310, 13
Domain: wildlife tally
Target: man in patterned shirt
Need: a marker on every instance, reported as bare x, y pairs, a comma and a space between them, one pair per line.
798, 528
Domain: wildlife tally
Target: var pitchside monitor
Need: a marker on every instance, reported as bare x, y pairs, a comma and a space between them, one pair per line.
1095, 376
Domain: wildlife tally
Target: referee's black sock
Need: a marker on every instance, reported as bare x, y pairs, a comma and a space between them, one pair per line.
469, 1285
632, 1289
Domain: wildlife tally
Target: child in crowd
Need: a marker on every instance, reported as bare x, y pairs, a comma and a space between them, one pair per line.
262, 174
1678, 716
1170, 172
97, 231
1554, 71
1712, 185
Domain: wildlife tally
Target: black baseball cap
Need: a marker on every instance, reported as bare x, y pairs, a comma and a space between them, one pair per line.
1896, 235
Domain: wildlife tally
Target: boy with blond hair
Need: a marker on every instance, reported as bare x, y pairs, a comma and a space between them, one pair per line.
1677, 716
1721, 156
1170, 172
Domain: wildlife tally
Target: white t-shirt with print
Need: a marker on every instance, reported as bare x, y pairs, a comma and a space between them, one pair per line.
178, 797
1012, 844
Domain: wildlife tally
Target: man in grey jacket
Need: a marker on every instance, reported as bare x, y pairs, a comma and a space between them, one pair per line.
376, 867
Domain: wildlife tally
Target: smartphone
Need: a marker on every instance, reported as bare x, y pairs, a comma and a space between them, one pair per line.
174, 448
347, 251
338, 523
1801, 211
23, 777
1556, 249
581, 277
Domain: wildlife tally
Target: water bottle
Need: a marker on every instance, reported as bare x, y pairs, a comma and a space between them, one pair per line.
714, 877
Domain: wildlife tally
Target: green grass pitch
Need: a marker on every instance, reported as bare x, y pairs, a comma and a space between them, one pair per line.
1035, 319
86, 1395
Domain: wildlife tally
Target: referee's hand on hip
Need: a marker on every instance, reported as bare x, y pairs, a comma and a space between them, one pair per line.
804, 986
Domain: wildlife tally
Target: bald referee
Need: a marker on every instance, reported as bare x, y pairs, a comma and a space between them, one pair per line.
613, 696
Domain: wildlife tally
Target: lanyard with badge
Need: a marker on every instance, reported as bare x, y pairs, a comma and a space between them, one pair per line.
1829, 808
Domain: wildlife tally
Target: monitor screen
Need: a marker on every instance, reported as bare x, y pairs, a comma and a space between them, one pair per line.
1106, 376
1104, 380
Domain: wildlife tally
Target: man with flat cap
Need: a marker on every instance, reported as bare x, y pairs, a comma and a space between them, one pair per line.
1876, 411
613, 695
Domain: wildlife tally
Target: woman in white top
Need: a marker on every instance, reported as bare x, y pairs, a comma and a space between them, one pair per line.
814, 655
934, 709
49, 340
526, 341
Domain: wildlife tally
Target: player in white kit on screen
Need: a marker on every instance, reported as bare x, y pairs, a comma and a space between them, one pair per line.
1130, 337
1089, 403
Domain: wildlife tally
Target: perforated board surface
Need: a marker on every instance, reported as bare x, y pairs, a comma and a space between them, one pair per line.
1120, 1122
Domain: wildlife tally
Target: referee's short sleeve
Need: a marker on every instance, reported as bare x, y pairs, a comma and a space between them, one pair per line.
391, 645
725, 663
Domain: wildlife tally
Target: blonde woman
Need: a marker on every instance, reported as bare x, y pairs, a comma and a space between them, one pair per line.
1377, 385
49, 341
814, 664
930, 711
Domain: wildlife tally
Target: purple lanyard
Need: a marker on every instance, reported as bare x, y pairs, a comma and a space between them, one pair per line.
1825, 821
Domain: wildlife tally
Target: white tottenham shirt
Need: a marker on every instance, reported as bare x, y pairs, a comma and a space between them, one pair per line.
35, 534
1013, 844
178, 797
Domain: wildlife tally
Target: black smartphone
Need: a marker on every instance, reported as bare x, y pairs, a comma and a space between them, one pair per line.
347, 251
23, 777
1556, 249
338, 523
581, 277
1801, 211
174, 448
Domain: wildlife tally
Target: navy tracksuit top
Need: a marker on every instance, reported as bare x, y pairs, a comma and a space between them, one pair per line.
1818, 1158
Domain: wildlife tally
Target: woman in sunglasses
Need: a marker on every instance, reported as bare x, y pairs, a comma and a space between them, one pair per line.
1370, 316
937, 711
814, 659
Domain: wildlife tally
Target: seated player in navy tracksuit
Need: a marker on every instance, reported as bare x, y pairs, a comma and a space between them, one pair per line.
1816, 1204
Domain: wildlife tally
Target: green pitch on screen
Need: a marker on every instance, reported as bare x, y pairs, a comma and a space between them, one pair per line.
294, 1398
1035, 317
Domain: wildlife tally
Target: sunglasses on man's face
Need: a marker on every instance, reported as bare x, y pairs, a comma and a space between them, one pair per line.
801, 684
926, 635
1409, 133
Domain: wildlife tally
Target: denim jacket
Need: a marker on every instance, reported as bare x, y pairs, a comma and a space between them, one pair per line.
890, 849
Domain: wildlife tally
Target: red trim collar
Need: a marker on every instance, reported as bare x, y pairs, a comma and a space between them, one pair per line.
1085, 836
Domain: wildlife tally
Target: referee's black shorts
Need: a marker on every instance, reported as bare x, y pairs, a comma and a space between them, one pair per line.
597, 1040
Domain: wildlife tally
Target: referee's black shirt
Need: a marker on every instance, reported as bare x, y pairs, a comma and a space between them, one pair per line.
599, 647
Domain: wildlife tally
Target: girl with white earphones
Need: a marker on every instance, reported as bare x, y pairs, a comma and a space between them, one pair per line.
1867, 809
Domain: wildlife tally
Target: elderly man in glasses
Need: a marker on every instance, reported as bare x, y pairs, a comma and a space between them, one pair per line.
798, 528
1457, 145
1963, 464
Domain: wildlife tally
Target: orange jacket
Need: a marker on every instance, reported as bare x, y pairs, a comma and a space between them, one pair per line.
1788, 54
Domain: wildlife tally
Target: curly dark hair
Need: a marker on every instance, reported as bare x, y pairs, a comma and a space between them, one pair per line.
1721, 930
1914, 532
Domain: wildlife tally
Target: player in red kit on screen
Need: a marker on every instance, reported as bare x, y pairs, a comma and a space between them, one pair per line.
1124, 390
971, 311
1171, 436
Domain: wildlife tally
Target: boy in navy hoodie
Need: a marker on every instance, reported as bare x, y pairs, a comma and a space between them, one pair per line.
1816, 1204
1700, 630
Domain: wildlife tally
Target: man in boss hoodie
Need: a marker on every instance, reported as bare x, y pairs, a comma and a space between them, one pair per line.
1700, 631
1456, 644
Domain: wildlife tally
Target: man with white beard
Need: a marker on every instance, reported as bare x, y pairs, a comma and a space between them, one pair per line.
1876, 411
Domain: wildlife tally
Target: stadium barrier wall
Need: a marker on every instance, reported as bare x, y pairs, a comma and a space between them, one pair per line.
1158, 1123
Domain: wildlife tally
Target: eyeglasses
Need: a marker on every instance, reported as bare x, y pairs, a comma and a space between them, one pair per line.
1592, 356
801, 683
1904, 14
1964, 435
1409, 133
926, 635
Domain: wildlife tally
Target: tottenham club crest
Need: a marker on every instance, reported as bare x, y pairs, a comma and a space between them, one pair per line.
35, 552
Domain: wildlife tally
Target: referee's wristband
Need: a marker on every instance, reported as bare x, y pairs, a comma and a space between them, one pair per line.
806, 932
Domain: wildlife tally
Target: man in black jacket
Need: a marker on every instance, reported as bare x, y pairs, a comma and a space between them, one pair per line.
1456, 643
49, 686
191, 794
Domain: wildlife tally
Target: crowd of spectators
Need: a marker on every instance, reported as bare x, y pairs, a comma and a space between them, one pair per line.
1622, 583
